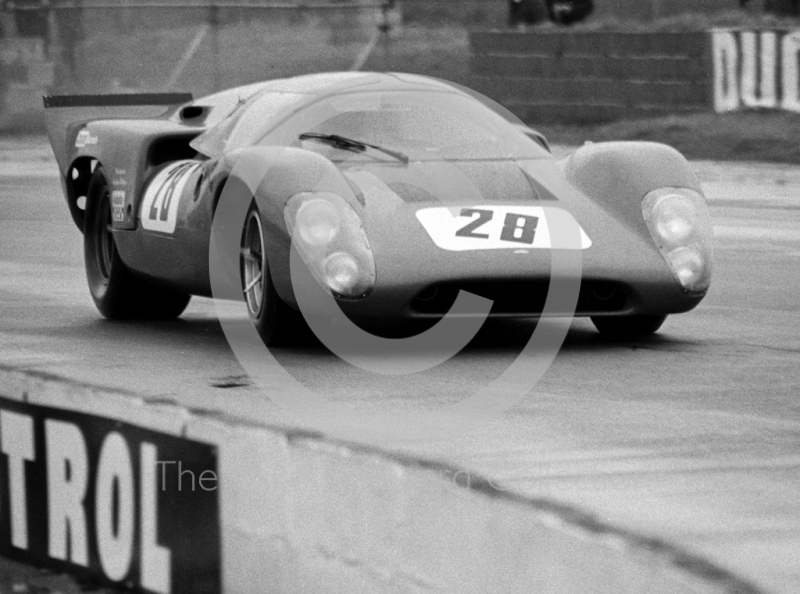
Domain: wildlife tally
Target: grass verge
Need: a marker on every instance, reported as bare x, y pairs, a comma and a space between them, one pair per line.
746, 136
751, 18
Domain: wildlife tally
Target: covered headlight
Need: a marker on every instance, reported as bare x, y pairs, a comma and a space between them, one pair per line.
675, 219
688, 265
343, 274
680, 225
330, 238
317, 221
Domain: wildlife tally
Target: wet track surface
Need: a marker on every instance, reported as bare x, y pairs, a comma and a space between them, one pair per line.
692, 436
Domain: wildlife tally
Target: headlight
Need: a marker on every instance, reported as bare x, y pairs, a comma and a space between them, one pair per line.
675, 219
331, 240
317, 222
680, 225
688, 265
342, 274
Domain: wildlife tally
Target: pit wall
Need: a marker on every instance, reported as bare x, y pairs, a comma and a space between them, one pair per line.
205, 504
593, 77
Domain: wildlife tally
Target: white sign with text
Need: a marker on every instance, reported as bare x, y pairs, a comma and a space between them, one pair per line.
756, 70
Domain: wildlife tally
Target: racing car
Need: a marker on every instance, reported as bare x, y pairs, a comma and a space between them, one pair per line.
397, 191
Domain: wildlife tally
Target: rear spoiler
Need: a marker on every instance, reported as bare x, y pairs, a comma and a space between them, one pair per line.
64, 114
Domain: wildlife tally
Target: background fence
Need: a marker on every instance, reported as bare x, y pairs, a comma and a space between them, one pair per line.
98, 46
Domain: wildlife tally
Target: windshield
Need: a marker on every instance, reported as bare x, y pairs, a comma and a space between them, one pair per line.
425, 126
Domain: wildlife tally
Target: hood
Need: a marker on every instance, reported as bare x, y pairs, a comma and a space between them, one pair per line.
457, 183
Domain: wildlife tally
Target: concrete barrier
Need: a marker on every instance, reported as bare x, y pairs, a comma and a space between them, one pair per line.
597, 76
95, 491
592, 76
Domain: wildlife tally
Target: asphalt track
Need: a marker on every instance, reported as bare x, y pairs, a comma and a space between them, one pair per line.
692, 436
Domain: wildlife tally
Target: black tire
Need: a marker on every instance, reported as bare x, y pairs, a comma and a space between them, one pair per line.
276, 322
117, 293
628, 326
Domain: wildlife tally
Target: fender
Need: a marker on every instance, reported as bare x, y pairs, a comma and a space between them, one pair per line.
288, 171
618, 175
80, 138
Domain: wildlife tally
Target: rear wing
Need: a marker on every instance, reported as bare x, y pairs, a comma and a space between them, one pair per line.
65, 114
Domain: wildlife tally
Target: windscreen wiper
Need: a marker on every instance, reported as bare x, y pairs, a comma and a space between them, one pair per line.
348, 143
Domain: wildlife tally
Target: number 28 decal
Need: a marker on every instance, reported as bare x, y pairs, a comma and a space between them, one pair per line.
162, 197
489, 228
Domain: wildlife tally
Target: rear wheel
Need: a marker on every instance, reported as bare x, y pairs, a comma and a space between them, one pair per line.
274, 320
115, 291
628, 326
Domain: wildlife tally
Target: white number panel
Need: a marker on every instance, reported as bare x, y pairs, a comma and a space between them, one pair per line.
160, 205
489, 228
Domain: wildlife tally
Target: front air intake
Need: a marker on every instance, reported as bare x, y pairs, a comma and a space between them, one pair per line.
520, 297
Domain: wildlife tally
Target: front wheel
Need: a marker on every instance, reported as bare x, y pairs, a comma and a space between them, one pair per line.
627, 326
274, 320
118, 294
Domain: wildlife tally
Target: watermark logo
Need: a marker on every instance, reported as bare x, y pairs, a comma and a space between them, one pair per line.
270, 175
185, 479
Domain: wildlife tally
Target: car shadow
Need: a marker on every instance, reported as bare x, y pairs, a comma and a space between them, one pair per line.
508, 334
497, 336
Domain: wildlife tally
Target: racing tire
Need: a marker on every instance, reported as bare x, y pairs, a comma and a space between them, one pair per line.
627, 326
275, 321
116, 292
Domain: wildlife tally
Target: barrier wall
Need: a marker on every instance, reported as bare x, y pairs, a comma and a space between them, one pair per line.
572, 77
121, 490
575, 77
544, 75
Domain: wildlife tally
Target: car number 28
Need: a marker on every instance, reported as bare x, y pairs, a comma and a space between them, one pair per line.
162, 197
489, 228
